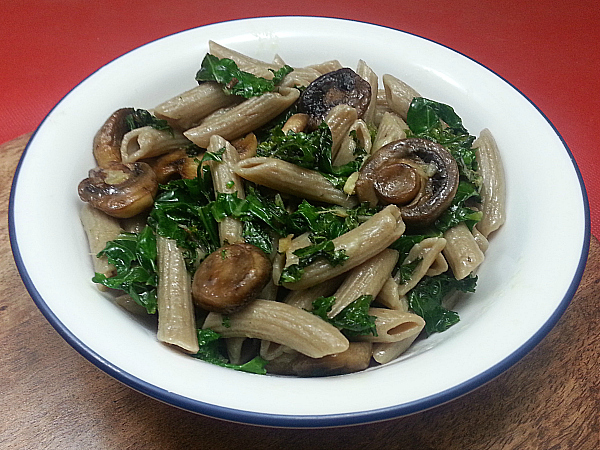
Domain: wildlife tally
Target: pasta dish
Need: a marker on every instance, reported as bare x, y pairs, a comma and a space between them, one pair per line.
305, 221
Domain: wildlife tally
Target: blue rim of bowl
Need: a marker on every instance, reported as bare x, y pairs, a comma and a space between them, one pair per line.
304, 421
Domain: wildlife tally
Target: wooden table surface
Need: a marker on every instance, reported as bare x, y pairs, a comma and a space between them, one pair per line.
51, 397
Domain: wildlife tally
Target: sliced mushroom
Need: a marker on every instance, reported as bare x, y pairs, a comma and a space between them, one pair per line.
120, 190
342, 86
107, 141
230, 277
418, 175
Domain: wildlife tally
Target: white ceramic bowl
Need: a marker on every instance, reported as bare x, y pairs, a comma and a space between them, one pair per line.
531, 272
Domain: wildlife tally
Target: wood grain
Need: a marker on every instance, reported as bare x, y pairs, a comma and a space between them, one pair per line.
52, 398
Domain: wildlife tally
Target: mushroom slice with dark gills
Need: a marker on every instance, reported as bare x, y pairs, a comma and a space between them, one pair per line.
418, 175
230, 277
107, 141
343, 86
120, 190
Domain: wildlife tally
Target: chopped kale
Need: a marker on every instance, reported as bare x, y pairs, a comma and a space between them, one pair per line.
354, 320
425, 299
142, 118
134, 256
235, 81
212, 350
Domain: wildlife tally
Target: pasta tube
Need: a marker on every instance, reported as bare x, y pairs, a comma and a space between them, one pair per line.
364, 71
462, 251
493, 189
176, 322
243, 118
292, 179
225, 180
365, 279
391, 128
394, 326
348, 146
244, 62
148, 142
340, 119
360, 244
187, 109
426, 252
399, 94
283, 324
99, 228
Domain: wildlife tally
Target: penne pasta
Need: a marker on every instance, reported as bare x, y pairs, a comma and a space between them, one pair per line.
493, 190
399, 95
367, 74
186, 110
365, 279
339, 120
292, 179
357, 138
360, 244
99, 228
176, 322
391, 128
426, 252
147, 142
243, 118
394, 326
226, 181
282, 324
462, 251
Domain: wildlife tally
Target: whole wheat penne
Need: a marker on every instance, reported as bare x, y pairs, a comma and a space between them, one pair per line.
304, 298
283, 324
99, 229
176, 322
399, 94
481, 240
358, 137
461, 251
493, 187
340, 119
327, 66
226, 181
439, 266
292, 179
244, 62
365, 279
234, 349
389, 295
366, 73
243, 118
394, 326
391, 128
187, 109
384, 352
381, 107
359, 244
148, 142
426, 253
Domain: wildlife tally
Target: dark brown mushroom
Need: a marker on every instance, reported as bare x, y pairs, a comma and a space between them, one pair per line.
343, 86
355, 359
418, 175
120, 190
230, 277
107, 141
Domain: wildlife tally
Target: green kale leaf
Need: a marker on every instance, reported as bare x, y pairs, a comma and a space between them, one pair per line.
212, 350
307, 255
235, 81
142, 118
425, 299
354, 320
134, 256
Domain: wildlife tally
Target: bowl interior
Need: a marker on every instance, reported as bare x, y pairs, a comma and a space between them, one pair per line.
532, 267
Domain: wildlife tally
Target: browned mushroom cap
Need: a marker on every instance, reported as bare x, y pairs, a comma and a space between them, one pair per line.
230, 277
107, 141
120, 190
343, 86
418, 175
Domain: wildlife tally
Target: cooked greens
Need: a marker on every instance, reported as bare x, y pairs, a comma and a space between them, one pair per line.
235, 81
